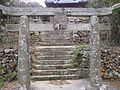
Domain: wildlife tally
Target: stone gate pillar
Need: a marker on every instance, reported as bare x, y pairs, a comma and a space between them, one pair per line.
23, 55
95, 57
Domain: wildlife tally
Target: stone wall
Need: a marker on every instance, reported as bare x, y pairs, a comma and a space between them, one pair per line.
110, 62
110, 57
8, 64
76, 37
8, 55
9, 40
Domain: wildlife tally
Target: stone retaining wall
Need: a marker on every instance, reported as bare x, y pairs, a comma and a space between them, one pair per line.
110, 57
9, 40
110, 63
77, 37
8, 64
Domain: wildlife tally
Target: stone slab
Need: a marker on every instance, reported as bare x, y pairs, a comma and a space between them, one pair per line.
42, 27
70, 85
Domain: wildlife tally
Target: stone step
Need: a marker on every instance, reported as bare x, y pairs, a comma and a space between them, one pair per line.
53, 52
57, 40
52, 67
55, 57
56, 32
52, 62
55, 77
55, 43
59, 48
54, 72
56, 35
66, 38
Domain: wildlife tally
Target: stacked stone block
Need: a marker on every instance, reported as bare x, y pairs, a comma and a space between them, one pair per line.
53, 56
8, 64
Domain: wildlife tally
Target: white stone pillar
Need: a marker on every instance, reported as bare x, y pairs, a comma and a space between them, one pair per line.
23, 55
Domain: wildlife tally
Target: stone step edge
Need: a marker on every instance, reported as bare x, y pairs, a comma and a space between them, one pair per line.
53, 56
54, 72
60, 70
48, 61
35, 60
65, 71
52, 65
47, 76
67, 52
41, 47
47, 44
75, 77
38, 60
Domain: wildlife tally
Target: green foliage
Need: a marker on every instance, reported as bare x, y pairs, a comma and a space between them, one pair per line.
2, 71
115, 23
114, 18
96, 4
111, 2
102, 3
78, 52
3, 2
79, 49
6, 76
13, 74
2, 79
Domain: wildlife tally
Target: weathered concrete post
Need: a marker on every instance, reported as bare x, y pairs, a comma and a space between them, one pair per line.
95, 59
23, 55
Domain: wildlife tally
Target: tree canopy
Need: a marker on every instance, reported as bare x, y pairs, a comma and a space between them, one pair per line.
114, 18
4, 2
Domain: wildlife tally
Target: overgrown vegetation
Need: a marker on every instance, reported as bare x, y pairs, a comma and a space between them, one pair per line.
115, 22
4, 2
6, 76
114, 18
2, 79
78, 52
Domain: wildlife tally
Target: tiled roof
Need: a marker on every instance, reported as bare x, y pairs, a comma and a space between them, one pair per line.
66, 1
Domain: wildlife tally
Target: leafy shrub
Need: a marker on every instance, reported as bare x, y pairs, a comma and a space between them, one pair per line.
78, 52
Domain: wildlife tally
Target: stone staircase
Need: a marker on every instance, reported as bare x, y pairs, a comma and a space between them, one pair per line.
55, 38
54, 60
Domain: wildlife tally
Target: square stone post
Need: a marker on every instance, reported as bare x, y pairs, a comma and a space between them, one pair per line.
23, 55
95, 56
